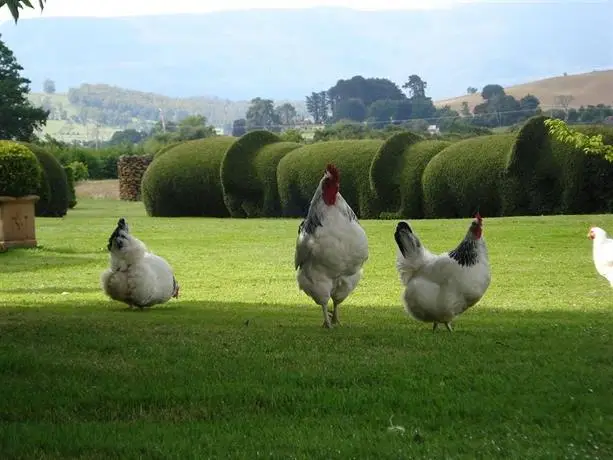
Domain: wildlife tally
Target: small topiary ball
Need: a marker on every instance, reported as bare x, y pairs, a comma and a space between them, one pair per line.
20, 171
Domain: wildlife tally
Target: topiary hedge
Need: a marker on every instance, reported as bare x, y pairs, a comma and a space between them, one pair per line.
249, 174
300, 171
72, 195
466, 176
386, 169
533, 184
185, 181
20, 171
166, 148
53, 191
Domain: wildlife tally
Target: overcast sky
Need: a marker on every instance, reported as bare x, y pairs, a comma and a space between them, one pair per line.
140, 7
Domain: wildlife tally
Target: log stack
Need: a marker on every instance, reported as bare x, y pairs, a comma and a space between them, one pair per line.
130, 170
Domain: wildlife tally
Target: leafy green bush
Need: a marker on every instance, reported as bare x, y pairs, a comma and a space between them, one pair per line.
185, 181
385, 169
532, 177
72, 195
249, 174
300, 171
53, 191
80, 171
166, 148
465, 177
415, 159
20, 171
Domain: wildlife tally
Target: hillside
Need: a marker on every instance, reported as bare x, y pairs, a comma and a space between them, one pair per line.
591, 88
287, 54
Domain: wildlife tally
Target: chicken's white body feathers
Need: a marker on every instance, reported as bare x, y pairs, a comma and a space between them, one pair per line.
136, 276
602, 254
437, 287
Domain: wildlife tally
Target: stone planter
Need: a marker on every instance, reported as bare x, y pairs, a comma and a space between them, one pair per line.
17, 228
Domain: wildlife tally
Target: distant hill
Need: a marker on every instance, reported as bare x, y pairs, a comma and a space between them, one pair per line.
591, 88
287, 54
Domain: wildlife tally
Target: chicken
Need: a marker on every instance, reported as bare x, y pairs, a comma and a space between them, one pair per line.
440, 287
602, 252
136, 276
331, 248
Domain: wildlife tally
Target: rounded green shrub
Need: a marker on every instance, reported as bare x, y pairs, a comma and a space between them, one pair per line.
72, 195
532, 178
249, 174
20, 171
166, 148
465, 177
385, 169
185, 181
300, 171
53, 190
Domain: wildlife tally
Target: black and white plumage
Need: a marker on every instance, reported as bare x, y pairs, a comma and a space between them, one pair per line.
136, 276
331, 248
440, 287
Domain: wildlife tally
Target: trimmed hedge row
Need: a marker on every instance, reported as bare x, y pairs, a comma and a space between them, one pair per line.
249, 174
54, 191
300, 171
20, 171
405, 176
185, 180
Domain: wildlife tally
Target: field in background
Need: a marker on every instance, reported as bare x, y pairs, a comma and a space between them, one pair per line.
239, 366
98, 189
586, 88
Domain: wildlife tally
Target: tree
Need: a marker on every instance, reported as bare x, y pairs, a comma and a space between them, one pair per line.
529, 105
261, 115
127, 136
465, 111
19, 119
492, 91
387, 110
368, 90
194, 127
318, 106
15, 5
471, 90
286, 114
350, 109
564, 101
49, 86
593, 145
416, 86
239, 127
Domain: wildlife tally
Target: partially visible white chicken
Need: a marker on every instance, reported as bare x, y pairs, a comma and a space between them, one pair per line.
602, 252
440, 287
331, 247
136, 276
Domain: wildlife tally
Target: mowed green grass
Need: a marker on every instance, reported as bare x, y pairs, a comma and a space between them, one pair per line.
527, 373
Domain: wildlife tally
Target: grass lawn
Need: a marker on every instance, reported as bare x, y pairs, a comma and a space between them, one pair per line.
527, 373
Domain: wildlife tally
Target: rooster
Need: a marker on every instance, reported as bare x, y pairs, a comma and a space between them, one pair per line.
440, 287
136, 276
331, 248
602, 252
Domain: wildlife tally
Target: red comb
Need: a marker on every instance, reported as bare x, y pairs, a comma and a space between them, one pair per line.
333, 171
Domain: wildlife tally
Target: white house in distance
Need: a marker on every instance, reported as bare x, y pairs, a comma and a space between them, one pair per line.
433, 129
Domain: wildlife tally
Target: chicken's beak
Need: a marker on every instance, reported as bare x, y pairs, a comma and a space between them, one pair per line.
590, 235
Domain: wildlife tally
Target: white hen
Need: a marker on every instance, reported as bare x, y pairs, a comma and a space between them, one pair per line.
331, 247
440, 287
136, 276
602, 252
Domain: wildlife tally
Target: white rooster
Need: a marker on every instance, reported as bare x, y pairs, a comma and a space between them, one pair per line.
136, 276
440, 287
602, 252
331, 247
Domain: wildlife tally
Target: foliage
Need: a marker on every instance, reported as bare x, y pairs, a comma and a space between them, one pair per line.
166, 148
127, 136
185, 181
15, 5
80, 171
49, 86
300, 171
286, 114
318, 106
239, 127
385, 169
592, 145
261, 115
292, 135
72, 195
249, 174
18, 118
466, 176
53, 192
20, 171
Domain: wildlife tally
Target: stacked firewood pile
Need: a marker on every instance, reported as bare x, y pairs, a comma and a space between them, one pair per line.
130, 170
